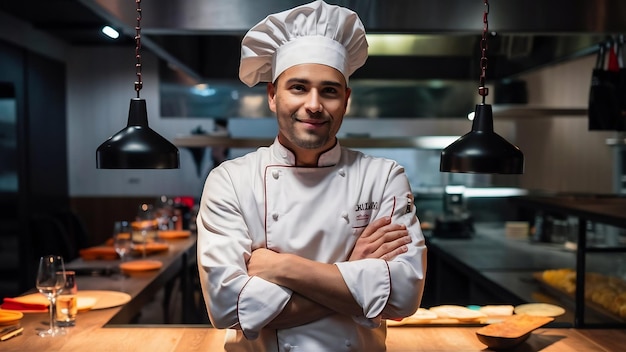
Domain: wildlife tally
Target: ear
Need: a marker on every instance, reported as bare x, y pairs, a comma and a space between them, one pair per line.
271, 96
348, 92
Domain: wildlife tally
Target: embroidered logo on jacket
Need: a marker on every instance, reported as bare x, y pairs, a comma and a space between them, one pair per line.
366, 206
363, 213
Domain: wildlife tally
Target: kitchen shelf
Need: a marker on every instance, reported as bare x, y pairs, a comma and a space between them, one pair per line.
513, 111
605, 209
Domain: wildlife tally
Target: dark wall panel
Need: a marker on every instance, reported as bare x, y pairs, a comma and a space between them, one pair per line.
45, 81
40, 94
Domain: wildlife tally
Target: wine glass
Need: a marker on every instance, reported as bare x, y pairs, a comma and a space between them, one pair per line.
122, 240
146, 224
164, 212
50, 281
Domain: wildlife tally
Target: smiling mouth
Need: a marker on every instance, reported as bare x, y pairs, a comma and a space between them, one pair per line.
314, 122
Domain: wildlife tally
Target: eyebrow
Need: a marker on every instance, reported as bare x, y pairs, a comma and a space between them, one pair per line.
306, 81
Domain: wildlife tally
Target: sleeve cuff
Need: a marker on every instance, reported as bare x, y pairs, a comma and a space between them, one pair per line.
259, 302
369, 282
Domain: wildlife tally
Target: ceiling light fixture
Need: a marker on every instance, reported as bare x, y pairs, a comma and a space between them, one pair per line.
482, 150
110, 32
137, 146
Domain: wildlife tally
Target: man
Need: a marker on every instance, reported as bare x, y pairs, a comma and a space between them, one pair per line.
305, 245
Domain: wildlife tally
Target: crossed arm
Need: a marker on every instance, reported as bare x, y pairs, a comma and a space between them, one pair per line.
319, 289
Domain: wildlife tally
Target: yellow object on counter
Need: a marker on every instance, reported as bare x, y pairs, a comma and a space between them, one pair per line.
517, 230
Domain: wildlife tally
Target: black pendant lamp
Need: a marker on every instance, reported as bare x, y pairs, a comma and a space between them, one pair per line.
482, 150
137, 146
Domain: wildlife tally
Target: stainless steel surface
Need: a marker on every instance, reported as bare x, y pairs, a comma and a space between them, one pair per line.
418, 16
197, 35
189, 33
545, 32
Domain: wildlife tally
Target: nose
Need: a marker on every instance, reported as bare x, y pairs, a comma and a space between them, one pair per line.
313, 102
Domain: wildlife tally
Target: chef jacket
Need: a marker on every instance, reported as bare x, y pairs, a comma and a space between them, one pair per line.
263, 200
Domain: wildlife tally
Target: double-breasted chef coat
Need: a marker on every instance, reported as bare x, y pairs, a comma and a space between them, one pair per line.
263, 200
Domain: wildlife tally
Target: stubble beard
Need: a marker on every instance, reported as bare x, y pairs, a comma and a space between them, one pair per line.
304, 138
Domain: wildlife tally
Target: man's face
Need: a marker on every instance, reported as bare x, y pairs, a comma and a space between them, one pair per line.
310, 101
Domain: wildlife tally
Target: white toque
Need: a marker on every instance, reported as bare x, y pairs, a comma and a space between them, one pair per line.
312, 33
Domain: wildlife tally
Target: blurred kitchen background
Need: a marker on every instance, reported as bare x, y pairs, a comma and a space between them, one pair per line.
66, 87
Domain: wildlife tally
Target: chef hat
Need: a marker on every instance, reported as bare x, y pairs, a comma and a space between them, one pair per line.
311, 33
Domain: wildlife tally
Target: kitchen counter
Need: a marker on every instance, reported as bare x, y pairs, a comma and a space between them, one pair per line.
490, 268
101, 330
90, 334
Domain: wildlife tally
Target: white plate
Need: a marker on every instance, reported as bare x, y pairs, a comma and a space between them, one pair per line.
539, 309
84, 303
104, 299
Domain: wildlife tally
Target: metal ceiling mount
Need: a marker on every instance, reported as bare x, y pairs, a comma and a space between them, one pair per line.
482, 150
137, 146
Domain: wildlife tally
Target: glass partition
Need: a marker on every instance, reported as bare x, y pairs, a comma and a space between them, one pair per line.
184, 97
8, 139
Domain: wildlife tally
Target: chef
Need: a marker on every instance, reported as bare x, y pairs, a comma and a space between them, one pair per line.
306, 245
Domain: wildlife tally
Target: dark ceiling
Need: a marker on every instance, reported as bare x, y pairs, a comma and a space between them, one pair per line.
194, 34
68, 20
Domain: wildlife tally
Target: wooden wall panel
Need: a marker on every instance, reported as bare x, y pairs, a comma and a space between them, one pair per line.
561, 154
99, 213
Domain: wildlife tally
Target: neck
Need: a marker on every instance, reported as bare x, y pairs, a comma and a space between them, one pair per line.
303, 157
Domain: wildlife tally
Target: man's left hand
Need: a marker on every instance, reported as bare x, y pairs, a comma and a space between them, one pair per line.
263, 262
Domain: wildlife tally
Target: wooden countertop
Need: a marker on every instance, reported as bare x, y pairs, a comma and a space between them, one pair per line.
105, 330
89, 334
141, 286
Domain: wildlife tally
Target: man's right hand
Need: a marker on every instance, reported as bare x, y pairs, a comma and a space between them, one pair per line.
382, 240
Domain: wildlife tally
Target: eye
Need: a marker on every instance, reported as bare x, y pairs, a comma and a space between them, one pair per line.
330, 91
297, 88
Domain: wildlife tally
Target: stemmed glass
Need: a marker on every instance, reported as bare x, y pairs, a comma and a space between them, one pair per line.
50, 282
122, 240
147, 225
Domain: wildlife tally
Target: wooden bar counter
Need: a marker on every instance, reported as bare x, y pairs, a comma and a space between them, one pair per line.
110, 329
90, 335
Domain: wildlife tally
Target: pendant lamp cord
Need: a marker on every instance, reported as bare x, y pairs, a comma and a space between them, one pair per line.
482, 89
138, 82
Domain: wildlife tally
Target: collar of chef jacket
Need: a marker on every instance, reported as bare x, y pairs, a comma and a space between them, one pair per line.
286, 156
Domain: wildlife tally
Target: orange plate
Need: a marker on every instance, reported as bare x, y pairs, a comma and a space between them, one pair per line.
169, 234
143, 224
98, 252
141, 265
151, 247
9, 317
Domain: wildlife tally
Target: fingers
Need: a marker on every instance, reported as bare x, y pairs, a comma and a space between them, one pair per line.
381, 239
375, 226
394, 243
380, 228
394, 253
